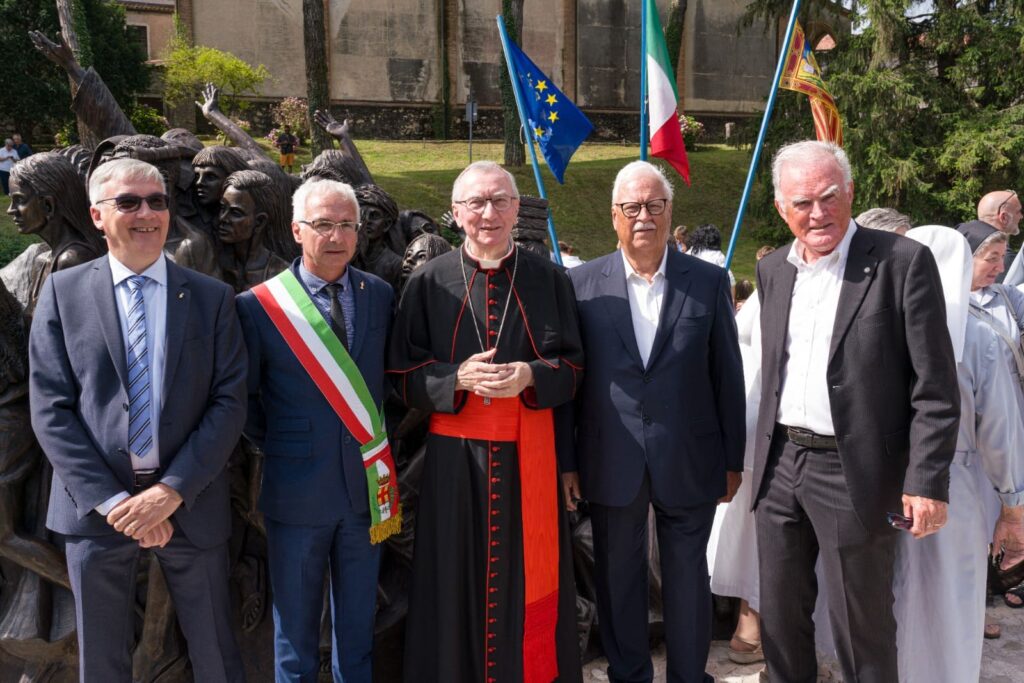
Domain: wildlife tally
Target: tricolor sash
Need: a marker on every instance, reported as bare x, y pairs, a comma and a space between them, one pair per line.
332, 369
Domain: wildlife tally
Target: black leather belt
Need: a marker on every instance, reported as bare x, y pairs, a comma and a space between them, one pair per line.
808, 439
144, 479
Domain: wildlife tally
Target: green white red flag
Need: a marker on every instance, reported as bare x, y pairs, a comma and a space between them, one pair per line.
665, 134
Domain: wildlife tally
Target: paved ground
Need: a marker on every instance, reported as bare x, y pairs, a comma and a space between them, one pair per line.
1003, 659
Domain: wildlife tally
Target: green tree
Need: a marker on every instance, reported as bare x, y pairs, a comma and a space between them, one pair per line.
188, 68
515, 152
37, 92
932, 104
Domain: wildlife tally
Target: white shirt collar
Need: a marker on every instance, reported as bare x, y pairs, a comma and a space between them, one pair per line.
631, 272
838, 255
156, 272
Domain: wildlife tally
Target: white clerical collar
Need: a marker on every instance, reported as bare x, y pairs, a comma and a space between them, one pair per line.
486, 264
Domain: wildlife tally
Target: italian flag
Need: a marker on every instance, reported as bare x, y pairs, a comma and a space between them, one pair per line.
662, 97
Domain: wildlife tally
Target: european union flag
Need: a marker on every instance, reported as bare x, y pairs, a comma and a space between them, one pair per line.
558, 125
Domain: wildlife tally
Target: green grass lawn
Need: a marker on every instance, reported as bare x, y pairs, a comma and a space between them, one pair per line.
420, 174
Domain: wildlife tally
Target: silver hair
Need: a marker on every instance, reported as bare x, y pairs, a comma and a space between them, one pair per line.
634, 168
319, 187
119, 170
806, 151
887, 220
8, 141
483, 167
998, 237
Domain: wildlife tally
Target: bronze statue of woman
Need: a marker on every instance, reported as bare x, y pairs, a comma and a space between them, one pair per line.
48, 199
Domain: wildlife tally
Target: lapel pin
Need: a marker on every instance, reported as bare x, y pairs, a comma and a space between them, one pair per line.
362, 284
867, 270
181, 295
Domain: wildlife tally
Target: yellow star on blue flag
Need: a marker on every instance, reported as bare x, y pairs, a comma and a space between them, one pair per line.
558, 125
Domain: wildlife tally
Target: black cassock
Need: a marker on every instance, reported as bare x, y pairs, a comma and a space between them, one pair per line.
466, 609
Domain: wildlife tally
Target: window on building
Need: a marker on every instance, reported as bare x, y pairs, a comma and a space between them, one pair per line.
139, 34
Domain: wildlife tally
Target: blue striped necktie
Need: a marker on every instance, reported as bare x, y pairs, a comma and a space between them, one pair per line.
140, 430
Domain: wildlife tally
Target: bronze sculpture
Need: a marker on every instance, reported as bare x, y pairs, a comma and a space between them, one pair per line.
380, 242
423, 248
248, 211
49, 200
211, 166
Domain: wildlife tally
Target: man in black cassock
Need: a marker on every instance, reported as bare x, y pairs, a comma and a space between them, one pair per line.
487, 340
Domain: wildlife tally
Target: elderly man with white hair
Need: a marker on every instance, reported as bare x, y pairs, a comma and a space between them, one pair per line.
486, 340
316, 334
857, 423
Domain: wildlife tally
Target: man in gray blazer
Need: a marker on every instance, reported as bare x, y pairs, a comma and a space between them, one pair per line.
137, 389
660, 421
859, 413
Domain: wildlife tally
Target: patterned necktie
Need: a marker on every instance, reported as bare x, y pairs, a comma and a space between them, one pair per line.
337, 313
140, 431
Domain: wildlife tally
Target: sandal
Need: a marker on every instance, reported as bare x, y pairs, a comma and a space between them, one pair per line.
1002, 580
993, 631
1015, 592
752, 654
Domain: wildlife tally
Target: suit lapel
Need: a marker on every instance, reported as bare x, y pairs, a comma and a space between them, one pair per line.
775, 311
178, 304
860, 271
110, 323
676, 286
361, 297
617, 303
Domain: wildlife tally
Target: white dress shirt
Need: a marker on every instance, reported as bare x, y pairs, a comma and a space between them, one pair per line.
804, 400
645, 299
154, 293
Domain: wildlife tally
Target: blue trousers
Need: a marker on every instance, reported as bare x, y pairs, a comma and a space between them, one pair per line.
300, 557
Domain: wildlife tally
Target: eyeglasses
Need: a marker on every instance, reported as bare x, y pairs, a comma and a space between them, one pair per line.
130, 203
655, 207
479, 204
322, 226
1007, 200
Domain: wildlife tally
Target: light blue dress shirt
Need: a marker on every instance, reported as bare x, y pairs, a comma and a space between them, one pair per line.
154, 293
322, 298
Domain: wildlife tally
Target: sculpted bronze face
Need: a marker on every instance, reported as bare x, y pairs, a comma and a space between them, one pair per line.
374, 221
238, 217
29, 211
415, 256
209, 182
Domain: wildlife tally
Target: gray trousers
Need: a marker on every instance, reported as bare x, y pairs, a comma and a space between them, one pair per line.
103, 572
805, 511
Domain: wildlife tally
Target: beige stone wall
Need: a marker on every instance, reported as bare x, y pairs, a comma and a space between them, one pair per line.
161, 29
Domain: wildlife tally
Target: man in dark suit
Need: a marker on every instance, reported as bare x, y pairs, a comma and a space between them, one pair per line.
138, 397
314, 496
859, 415
659, 420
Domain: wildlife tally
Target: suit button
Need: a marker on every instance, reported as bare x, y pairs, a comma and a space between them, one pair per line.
348, 438
647, 420
648, 379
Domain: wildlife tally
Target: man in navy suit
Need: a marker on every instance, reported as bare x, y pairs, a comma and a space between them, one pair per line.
137, 390
314, 495
659, 421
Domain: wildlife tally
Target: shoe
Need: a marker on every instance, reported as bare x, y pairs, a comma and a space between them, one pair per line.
1015, 592
1002, 580
993, 631
745, 656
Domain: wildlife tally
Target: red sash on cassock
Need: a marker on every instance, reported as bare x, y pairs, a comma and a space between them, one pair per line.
507, 419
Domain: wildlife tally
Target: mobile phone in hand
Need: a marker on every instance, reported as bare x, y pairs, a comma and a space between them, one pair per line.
898, 521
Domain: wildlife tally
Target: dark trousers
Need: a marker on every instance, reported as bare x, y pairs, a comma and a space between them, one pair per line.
300, 556
103, 572
620, 553
805, 512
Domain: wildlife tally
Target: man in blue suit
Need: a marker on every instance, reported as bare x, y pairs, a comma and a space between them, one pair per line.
137, 389
659, 421
314, 495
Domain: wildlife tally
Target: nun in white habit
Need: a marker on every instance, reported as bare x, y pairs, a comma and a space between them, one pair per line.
940, 580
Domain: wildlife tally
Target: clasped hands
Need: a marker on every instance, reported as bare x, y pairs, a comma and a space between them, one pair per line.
493, 380
145, 516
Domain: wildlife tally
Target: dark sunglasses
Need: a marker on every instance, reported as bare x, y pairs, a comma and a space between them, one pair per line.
130, 203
